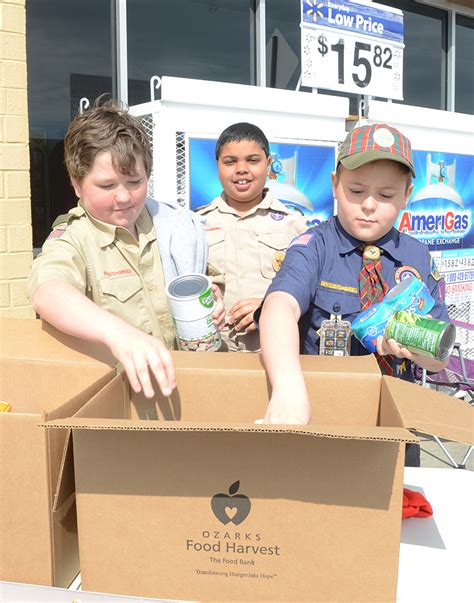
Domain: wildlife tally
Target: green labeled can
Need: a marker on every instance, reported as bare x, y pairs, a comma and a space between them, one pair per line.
421, 334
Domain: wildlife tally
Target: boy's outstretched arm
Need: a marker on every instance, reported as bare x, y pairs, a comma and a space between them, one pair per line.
279, 339
70, 311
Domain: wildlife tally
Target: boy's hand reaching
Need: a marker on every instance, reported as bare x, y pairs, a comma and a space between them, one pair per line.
288, 407
141, 356
240, 316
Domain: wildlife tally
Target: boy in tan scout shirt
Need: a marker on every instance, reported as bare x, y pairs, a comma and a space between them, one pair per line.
100, 275
247, 230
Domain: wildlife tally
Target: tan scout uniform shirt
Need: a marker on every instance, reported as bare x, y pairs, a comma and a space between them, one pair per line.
246, 252
113, 269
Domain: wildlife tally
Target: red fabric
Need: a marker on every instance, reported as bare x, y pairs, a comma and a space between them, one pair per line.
415, 505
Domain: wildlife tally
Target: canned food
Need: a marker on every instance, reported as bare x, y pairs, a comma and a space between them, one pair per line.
191, 304
370, 324
410, 295
422, 335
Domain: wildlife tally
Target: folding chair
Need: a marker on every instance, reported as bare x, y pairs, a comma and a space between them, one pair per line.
457, 379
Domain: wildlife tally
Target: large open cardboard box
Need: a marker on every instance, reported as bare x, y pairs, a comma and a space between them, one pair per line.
43, 378
186, 498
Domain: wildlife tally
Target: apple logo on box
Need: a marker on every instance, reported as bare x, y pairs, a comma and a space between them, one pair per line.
231, 507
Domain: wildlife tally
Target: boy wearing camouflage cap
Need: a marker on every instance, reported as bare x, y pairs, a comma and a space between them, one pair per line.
321, 271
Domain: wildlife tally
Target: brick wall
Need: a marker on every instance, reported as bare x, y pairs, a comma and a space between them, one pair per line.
15, 205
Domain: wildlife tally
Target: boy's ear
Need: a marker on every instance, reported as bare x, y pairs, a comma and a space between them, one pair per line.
334, 183
408, 195
77, 187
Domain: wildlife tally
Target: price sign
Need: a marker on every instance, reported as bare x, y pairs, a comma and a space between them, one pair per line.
352, 46
457, 268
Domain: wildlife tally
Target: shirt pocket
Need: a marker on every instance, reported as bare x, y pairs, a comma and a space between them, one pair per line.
216, 245
271, 250
121, 289
340, 303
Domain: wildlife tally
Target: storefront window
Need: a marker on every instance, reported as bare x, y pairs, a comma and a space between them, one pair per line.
424, 64
202, 39
464, 83
69, 57
283, 43
283, 49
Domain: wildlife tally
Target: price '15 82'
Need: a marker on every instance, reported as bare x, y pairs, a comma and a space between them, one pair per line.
381, 57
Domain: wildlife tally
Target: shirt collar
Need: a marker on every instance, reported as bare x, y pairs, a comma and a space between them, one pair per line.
389, 242
271, 202
224, 207
268, 202
107, 233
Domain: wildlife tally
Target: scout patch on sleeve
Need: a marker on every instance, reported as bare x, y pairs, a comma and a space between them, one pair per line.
435, 273
302, 239
277, 260
405, 272
56, 233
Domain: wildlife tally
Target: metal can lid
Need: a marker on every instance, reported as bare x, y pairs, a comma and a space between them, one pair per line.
188, 285
447, 341
399, 288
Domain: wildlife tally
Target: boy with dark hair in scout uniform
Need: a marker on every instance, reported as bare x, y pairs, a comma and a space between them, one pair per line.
330, 270
102, 271
248, 231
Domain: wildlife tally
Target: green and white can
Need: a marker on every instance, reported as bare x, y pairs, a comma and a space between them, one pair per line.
421, 334
191, 304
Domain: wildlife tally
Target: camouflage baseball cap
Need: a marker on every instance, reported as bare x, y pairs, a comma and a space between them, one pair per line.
373, 142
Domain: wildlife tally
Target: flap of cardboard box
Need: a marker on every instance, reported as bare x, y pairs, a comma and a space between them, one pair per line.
65, 481
26, 338
222, 361
431, 412
354, 432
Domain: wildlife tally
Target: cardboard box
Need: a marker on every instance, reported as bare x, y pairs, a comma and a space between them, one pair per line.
186, 498
43, 379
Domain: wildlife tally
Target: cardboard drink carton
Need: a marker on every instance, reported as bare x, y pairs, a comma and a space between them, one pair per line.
42, 378
186, 498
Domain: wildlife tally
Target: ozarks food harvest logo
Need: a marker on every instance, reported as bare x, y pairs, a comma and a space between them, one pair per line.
231, 507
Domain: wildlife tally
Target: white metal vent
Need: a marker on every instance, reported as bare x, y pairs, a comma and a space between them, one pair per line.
181, 186
148, 123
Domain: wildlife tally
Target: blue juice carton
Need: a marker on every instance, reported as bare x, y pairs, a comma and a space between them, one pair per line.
410, 295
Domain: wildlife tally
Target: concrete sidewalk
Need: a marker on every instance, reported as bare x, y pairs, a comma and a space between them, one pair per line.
433, 456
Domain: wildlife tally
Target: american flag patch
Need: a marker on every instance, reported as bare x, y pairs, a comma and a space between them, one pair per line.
302, 239
56, 233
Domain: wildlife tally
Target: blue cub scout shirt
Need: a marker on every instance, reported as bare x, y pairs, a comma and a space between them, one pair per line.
321, 271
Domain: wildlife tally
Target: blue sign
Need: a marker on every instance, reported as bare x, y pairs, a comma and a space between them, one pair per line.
373, 20
440, 209
301, 178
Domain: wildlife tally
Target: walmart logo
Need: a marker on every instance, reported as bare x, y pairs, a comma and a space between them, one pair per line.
312, 9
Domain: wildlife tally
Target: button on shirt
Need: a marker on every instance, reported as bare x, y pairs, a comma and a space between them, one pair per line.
321, 271
246, 252
105, 262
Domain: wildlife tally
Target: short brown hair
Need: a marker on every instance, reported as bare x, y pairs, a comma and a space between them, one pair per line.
106, 127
